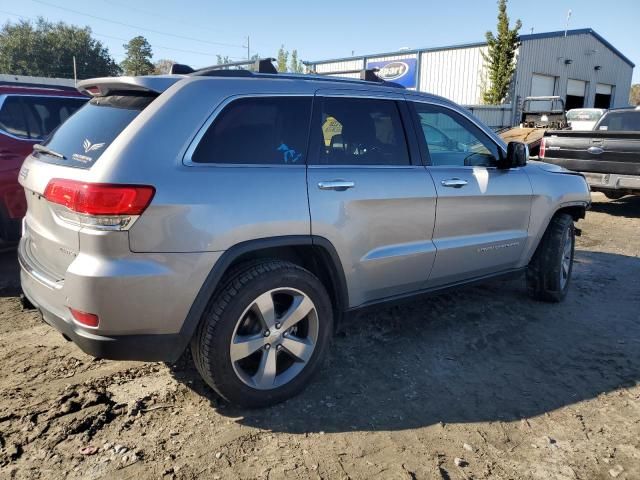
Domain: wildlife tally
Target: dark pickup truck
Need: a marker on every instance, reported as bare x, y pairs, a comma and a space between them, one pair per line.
608, 156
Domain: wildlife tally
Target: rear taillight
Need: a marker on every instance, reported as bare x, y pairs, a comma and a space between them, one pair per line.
84, 318
542, 148
99, 205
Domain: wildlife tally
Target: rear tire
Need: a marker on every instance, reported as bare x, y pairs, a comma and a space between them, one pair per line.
549, 272
614, 195
250, 346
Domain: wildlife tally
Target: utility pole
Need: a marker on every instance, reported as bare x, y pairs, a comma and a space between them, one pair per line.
248, 48
75, 72
567, 24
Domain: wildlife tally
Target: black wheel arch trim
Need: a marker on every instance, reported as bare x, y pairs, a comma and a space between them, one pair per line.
229, 256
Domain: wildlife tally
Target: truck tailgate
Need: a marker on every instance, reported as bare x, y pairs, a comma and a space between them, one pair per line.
594, 151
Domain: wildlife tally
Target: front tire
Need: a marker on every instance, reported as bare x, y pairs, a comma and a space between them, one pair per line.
549, 272
264, 334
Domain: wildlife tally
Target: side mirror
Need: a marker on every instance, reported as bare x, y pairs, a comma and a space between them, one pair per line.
517, 156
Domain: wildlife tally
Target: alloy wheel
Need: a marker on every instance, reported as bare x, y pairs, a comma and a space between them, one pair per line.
274, 338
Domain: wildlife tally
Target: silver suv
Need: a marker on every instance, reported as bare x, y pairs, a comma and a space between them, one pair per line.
242, 214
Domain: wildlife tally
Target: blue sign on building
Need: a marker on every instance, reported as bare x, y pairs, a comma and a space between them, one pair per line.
402, 71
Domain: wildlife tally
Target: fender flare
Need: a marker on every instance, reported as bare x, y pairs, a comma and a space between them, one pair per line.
229, 256
559, 206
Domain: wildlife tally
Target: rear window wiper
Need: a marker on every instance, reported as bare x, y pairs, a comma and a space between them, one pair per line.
46, 150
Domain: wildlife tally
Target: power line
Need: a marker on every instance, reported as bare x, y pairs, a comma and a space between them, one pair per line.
154, 46
153, 14
136, 26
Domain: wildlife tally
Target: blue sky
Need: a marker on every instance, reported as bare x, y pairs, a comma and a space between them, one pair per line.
194, 31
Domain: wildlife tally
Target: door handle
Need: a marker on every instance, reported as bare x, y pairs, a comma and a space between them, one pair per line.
454, 183
337, 185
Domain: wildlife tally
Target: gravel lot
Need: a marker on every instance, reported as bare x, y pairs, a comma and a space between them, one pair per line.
481, 383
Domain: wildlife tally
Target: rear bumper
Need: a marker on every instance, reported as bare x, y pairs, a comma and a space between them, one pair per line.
612, 181
142, 315
155, 347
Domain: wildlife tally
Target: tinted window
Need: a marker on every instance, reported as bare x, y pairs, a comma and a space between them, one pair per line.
35, 117
88, 133
359, 131
44, 114
620, 121
263, 130
453, 140
12, 118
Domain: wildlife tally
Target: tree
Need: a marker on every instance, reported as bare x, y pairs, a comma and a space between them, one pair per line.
500, 57
163, 66
45, 49
283, 57
138, 60
634, 95
221, 60
295, 66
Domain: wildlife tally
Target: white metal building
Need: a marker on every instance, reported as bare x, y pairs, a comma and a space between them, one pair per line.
579, 65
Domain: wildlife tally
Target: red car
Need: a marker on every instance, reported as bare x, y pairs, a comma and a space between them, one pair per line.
27, 115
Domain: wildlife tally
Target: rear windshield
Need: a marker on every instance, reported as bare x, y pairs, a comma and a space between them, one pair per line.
88, 132
620, 121
583, 115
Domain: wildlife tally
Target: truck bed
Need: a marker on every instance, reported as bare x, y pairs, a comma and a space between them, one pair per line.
530, 136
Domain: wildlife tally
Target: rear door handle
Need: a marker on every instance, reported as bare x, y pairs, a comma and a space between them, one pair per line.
454, 183
337, 185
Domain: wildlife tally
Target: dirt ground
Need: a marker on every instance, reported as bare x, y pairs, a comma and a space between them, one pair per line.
481, 383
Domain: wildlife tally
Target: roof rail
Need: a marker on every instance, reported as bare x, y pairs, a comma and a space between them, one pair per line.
265, 66
367, 75
261, 65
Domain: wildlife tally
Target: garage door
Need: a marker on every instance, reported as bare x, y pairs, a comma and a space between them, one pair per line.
576, 87
542, 86
604, 94
603, 89
575, 93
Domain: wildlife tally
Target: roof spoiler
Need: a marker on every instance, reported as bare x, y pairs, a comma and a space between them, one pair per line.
99, 87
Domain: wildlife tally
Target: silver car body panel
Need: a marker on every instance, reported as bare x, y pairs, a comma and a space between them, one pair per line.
397, 231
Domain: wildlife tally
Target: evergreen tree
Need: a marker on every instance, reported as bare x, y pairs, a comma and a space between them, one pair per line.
500, 57
295, 65
283, 57
138, 60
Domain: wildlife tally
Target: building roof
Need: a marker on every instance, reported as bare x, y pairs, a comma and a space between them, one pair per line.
579, 31
523, 38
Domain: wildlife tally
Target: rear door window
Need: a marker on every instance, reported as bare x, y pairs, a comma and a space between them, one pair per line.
12, 118
361, 131
258, 131
89, 132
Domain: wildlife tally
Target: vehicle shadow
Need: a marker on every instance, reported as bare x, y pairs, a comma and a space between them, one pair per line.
9, 273
484, 353
628, 207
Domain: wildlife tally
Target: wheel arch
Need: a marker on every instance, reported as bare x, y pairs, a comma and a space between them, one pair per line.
317, 254
577, 211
